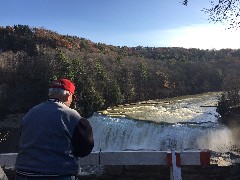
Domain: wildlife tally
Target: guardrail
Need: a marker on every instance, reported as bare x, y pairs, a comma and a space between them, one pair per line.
174, 159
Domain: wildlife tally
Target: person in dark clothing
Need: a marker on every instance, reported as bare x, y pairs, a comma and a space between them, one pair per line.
53, 137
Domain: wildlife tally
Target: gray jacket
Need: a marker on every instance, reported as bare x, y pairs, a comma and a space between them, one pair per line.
53, 136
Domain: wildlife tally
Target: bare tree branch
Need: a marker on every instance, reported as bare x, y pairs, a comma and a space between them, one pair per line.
185, 2
224, 11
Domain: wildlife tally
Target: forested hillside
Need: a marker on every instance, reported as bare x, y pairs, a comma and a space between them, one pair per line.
105, 75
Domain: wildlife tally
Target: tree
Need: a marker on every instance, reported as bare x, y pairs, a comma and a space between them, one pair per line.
223, 11
141, 79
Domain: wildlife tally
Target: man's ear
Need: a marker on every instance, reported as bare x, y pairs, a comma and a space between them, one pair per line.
66, 97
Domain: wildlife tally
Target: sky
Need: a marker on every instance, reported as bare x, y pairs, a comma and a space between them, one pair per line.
152, 23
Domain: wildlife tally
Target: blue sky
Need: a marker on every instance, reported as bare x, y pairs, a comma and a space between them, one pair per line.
153, 23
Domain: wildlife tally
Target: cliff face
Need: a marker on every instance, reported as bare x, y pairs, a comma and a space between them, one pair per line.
230, 116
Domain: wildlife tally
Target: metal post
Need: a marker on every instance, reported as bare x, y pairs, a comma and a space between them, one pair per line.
175, 171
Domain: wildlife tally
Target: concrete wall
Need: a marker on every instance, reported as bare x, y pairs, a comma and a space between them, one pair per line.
152, 172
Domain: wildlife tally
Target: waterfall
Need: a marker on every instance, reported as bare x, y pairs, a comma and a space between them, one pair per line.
182, 124
119, 134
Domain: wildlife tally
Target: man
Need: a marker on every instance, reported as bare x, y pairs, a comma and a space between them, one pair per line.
53, 136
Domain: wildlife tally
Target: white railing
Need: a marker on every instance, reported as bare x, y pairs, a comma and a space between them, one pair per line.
168, 158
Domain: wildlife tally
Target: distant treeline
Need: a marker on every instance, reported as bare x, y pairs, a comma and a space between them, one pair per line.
105, 75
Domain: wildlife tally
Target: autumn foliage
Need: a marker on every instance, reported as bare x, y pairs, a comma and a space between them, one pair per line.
105, 75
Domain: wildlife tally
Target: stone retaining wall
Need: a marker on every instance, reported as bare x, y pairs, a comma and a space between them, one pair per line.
212, 172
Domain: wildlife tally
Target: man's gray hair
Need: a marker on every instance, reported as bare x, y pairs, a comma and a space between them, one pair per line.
58, 91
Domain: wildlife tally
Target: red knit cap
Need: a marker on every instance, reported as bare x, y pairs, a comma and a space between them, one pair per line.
64, 84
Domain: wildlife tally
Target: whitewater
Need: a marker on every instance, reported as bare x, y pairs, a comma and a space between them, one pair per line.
181, 123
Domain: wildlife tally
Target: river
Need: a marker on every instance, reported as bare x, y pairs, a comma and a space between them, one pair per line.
181, 123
